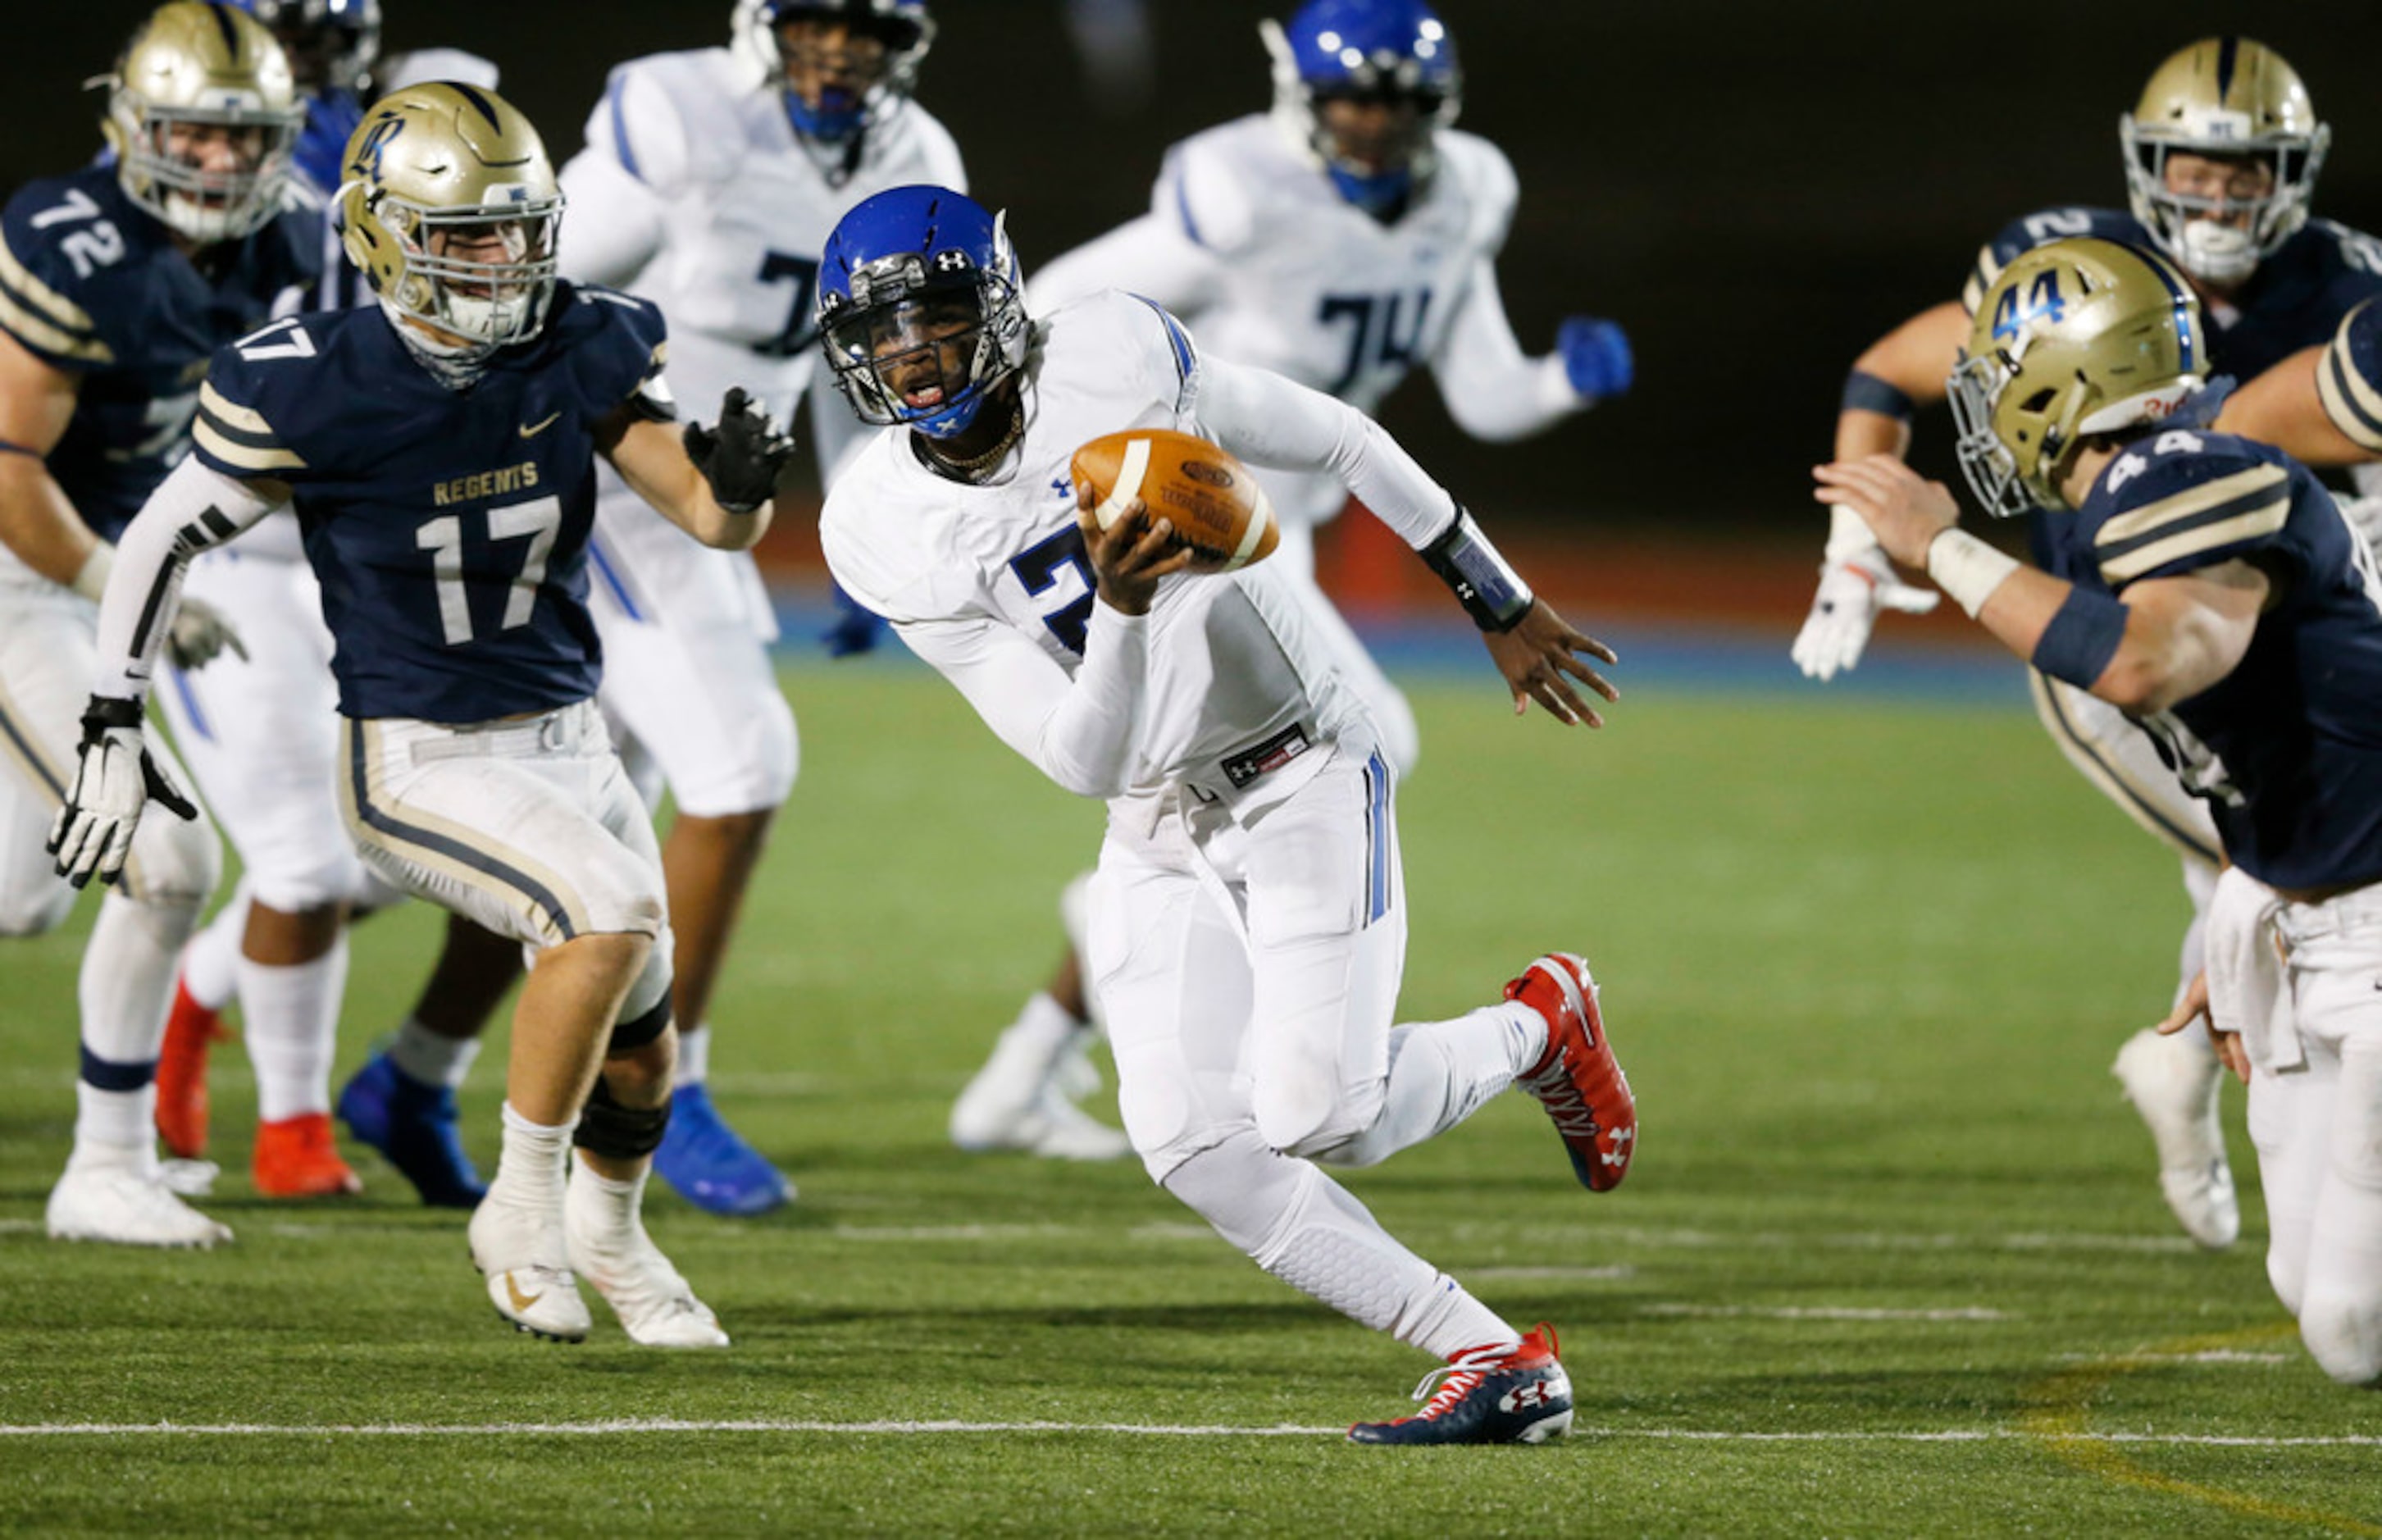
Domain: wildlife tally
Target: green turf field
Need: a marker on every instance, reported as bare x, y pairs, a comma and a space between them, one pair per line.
1891, 1261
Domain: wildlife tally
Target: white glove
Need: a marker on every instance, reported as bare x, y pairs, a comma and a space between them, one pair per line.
1852, 590
198, 633
114, 781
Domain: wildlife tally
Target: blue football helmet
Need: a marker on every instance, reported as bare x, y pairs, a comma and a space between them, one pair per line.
902, 28
1395, 52
331, 44
919, 308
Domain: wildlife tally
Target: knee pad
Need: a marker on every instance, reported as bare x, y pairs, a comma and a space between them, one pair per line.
174, 864
633, 1033
1248, 1191
1311, 1119
608, 1128
2344, 1337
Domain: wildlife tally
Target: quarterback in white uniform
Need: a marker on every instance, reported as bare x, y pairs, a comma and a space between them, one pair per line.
1246, 920
709, 182
1344, 239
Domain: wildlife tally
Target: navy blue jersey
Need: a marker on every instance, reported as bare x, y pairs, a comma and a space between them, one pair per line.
2294, 300
2287, 747
92, 285
2349, 377
448, 528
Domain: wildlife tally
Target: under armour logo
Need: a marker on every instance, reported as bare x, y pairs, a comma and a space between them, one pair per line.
1621, 1138
1061, 486
1538, 1393
951, 261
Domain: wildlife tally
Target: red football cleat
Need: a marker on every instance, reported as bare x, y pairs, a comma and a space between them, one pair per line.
295, 1158
1577, 1082
190, 1031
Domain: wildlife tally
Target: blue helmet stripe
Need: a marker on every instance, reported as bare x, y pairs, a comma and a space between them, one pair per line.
2228, 49
230, 32
2181, 298
487, 110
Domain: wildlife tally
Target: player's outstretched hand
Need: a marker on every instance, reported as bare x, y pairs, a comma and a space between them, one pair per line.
1596, 357
1536, 654
199, 635
1903, 508
1853, 592
114, 781
2193, 1007
1131, 555
741, 457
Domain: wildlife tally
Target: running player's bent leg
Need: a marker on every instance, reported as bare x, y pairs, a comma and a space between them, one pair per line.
1174, 976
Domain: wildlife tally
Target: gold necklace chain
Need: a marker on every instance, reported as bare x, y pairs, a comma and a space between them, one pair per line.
975, 464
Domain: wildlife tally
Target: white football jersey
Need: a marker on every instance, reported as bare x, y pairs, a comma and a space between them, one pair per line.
1315, 287
990, 582
693, 191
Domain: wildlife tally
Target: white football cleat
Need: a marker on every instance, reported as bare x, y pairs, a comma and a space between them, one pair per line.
525, 1259
126, 1206
611, 1250
2173, 1083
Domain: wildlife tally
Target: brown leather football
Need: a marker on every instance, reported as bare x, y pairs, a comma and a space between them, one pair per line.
1216, 506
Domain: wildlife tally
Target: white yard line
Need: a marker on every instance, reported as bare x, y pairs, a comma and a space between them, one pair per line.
632, 1426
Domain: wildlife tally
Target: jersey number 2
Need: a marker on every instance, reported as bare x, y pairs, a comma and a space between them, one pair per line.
540, 520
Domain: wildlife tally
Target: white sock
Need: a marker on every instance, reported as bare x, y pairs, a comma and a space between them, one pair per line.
115, 1127
530, 1166
128, 978
607, 1203
694, 1057
1448, 1320
294, 1020
431, 1058
211, 962
1443, 1072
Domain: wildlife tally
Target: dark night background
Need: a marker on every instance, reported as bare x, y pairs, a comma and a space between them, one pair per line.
1754, 191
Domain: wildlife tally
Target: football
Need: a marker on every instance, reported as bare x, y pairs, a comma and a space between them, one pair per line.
1216, 506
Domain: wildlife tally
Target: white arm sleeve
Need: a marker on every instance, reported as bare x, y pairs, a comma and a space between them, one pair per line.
1268, 420
1080, 733
616, 222
1149, 256
192, 509
1492, 389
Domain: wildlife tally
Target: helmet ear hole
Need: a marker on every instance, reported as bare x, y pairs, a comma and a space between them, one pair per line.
2038, 401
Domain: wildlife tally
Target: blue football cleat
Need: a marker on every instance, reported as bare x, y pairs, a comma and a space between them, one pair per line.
413, 1127
1522, 1397
710, 1166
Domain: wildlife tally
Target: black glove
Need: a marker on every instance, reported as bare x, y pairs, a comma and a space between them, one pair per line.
742, 457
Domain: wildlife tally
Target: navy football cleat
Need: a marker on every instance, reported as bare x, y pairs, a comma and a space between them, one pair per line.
709, 1164
1486, 1397
413, 1127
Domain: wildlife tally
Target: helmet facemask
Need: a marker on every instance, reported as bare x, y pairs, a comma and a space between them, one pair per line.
483, 275
1377, 146
923, 345
2240, 114
838, 66
211, 173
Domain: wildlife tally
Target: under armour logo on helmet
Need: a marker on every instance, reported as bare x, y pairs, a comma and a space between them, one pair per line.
951, 260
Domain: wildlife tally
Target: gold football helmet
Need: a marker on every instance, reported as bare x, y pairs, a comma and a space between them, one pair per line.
201, 114
2227, 98
450, 207
2075, 338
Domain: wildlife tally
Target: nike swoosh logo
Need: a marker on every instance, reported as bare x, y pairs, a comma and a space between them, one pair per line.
530, 430
520, 1300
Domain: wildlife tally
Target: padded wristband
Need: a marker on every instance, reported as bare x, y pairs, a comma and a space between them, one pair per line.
1967, 568
1866, 392
2081, 638
1491, 592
